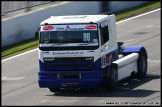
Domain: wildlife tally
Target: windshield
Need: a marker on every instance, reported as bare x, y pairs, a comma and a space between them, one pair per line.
68, 37
50, 37
71, 35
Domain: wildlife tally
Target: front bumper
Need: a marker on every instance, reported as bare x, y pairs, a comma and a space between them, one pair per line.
88, 79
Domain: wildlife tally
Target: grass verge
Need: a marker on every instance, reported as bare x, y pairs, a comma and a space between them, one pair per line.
33, 43
19, 48
137, 10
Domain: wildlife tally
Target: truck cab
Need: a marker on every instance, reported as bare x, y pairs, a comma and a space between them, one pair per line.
78, 52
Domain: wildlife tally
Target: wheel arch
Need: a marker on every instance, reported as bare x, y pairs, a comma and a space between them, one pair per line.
134, 49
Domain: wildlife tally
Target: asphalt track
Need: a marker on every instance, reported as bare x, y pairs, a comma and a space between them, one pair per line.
19, 74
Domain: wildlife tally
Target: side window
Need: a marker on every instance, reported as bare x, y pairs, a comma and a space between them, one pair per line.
104, 32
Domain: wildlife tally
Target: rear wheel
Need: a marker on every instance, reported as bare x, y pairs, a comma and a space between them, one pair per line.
142, 64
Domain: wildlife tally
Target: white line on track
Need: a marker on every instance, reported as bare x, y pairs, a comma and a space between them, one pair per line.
153, 61
43, 101
116, 23
149, 26
6, 78
20, 54
3, 78
129, 40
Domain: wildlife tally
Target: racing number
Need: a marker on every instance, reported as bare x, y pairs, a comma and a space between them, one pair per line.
86, 36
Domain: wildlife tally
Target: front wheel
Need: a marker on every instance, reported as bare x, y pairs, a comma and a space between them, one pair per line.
111, 82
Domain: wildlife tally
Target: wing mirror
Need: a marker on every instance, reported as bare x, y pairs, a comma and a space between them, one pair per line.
37, 33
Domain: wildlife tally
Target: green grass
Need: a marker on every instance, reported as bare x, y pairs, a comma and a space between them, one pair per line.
19, 48
137, 10
33, 43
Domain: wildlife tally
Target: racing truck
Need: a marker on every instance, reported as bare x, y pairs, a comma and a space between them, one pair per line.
81, 51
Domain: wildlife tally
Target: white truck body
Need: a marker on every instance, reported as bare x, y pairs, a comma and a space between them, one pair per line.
88, 52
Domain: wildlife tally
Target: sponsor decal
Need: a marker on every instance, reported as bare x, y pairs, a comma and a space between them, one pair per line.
48, 27
90, 27
70, 27
67, 28
67, 53
60, 29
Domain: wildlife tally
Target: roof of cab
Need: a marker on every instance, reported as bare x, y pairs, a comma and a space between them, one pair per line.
74, 19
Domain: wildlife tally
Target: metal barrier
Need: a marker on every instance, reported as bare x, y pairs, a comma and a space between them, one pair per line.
12, 6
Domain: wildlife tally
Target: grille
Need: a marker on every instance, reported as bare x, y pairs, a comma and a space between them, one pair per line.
69, 67
70, 60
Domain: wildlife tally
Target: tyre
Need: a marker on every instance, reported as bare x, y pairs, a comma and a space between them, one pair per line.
142, 64
111, 82
54, 89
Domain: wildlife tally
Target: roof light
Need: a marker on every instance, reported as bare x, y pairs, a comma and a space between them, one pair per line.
46, 23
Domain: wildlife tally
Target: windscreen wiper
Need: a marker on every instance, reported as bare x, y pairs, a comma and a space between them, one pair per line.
87, 43
57, 44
